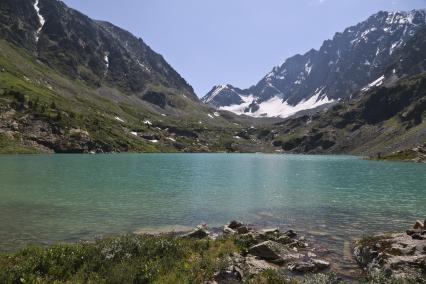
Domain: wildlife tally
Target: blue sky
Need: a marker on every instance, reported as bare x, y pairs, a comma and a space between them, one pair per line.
212, 42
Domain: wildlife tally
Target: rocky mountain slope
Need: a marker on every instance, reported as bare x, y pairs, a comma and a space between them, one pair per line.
72, 84
378, 123
354, 60
93, 51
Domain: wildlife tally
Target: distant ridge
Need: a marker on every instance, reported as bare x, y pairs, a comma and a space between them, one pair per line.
353, 60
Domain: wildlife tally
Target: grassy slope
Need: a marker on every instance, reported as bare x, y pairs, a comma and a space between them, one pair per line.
93, 109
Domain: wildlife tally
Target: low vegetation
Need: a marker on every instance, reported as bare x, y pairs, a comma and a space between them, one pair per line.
132, 259
125, 259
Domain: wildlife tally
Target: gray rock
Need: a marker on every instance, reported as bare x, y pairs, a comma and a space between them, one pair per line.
266, 250
419, 225
418, 236
242, 230
274, 252
270, 231
235, 224
200, 232
398, 256
229, 231
284, 240
250, 265
321, 264
290, 233
312, 265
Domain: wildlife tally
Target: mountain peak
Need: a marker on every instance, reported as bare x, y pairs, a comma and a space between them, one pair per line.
349, 62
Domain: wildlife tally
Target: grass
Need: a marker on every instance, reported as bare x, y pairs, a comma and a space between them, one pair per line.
125, 259
406, 155
9, 146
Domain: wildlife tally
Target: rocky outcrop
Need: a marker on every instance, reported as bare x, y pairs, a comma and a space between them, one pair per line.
395, 256
268, 249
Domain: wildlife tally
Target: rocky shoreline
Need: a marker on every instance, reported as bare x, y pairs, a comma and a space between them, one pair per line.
262, 250
388, 258
235, 253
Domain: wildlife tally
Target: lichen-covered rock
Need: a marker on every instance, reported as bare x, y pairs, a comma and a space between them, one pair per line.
397, 256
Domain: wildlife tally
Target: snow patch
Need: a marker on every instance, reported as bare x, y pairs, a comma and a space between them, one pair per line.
143, 66
118, 119
41, 20
171, 139
216, 114
308, 67
394, 46
239, 109
147, 122
375, 83
134, 133
276, 107
106, 61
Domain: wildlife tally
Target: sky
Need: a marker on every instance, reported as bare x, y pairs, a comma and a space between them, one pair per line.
211, 42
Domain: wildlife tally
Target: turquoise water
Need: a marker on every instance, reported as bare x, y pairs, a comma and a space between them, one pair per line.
46, 199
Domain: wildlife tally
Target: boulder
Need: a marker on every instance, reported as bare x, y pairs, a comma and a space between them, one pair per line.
321, 264
274, 252
419, 225
235, 224
418, 236
312, 265
228, 231
265, 250
270, 231
235, 227
285, 240
247, 267
242, 230
398, 256
290, 233
229, 275
200, 232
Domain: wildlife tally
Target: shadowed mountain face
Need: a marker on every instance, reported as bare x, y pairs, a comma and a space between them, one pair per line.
351, 61
93, 51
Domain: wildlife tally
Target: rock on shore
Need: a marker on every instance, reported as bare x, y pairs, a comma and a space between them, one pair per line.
262, 250
395, 256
